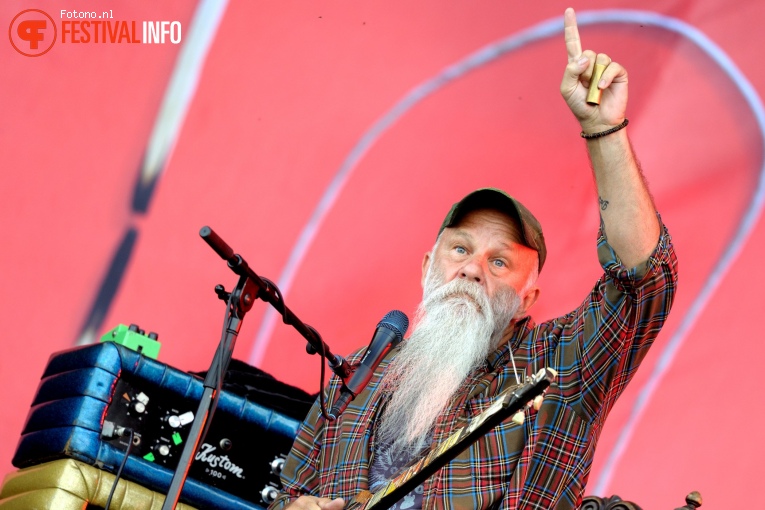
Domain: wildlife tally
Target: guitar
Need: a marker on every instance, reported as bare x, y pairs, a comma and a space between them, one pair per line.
512, 402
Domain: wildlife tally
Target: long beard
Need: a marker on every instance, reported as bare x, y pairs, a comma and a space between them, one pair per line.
456, 328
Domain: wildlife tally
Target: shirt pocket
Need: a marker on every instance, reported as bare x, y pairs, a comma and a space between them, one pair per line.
562, 455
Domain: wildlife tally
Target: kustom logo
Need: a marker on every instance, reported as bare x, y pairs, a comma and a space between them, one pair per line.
207, 454
32, 32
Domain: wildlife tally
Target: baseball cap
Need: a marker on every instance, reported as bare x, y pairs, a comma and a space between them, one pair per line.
493, 198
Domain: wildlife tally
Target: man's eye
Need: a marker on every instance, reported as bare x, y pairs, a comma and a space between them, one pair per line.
460, 249
499, 263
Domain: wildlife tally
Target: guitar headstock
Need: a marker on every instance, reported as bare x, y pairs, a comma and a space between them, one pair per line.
539, 381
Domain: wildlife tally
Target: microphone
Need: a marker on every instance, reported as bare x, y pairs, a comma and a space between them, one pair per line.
390, 331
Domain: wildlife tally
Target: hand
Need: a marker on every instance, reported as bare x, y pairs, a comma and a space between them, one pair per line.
314, 503
576, 81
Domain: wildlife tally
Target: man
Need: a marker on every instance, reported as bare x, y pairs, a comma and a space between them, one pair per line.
472, 334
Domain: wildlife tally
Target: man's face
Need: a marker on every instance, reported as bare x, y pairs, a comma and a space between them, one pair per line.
485, 248
475, 281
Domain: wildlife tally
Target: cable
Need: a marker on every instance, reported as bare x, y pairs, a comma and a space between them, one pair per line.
122, 465
281, 307
323, 358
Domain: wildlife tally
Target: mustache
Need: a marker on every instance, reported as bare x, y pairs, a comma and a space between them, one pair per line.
457, 288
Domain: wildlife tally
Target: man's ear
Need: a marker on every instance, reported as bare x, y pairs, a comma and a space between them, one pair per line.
527, 301
425, 266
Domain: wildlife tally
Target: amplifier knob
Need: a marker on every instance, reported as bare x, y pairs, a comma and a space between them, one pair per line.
174, 421
269, 494
139, 407
276, 466
163, 450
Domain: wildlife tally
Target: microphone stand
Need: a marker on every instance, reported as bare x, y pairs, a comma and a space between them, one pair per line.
249, 288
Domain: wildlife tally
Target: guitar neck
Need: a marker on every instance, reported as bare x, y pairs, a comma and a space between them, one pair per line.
506, 405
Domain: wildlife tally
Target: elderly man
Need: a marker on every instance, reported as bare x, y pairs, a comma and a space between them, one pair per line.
472, 333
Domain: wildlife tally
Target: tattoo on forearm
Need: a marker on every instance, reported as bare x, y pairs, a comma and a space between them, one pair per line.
603, 203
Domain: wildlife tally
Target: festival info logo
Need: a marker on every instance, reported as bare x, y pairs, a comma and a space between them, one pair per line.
32, 32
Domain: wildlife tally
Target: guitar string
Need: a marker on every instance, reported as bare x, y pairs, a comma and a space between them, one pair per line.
515, 371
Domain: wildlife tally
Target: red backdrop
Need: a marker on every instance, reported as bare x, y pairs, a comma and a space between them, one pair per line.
308, 146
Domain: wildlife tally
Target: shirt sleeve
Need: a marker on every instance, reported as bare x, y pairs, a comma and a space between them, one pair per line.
607, 337
300, 473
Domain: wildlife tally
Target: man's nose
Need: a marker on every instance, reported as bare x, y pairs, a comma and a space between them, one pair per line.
472, 271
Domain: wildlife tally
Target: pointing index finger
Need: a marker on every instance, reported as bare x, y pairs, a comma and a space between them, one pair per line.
571, 33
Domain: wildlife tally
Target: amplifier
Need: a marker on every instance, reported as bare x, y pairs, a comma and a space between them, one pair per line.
84, 389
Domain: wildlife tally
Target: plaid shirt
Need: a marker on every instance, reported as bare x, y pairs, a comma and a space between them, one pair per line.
545, 462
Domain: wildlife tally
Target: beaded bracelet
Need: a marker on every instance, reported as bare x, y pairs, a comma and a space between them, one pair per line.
606, 132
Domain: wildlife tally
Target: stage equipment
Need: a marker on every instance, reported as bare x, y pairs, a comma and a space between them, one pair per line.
133, 337
90, 390
239, 301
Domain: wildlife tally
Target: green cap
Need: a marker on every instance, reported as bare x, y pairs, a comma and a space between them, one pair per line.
493, 198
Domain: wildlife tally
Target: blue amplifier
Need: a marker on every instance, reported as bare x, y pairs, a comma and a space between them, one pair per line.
236, 467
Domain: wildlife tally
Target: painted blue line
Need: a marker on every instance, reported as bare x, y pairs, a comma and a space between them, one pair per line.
331, 194
552, 27
165, 132
182, 87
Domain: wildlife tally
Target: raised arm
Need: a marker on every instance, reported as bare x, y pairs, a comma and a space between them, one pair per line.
626, 207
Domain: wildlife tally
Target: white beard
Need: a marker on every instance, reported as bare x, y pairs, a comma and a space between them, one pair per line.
456, 328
